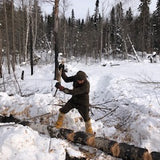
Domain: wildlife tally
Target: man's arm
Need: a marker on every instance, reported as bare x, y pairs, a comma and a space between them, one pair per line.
66, 78
80, 90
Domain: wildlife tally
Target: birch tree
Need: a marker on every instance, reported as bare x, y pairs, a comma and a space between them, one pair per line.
27, 30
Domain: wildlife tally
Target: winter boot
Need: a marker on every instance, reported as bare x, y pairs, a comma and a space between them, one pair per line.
88, 127
59, 122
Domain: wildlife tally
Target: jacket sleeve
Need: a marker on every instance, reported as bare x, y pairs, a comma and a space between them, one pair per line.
80, 90
66, 78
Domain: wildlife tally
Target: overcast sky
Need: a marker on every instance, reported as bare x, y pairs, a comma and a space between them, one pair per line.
80, 7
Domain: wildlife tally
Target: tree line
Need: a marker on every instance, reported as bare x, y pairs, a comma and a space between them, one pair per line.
118, 35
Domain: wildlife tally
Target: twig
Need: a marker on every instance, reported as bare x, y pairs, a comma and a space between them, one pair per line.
8, 124
107, 114
38, 116
98, 104
50, 142
148, 82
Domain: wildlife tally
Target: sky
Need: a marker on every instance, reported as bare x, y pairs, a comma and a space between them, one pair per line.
81, 7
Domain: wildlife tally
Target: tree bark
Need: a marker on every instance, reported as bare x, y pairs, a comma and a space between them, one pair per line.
64, 21
7, 38
31, 46
113, 148
56, 36
0, 51
35, 24
137, 57
13, 38
27, 31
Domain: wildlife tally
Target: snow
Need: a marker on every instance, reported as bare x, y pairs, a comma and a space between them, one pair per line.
129, 93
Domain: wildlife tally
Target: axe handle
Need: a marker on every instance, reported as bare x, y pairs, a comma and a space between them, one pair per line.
55, 92
59, 80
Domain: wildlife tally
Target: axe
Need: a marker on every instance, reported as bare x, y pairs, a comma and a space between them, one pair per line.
59, 75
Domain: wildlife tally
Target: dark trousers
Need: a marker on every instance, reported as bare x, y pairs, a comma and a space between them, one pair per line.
83, 110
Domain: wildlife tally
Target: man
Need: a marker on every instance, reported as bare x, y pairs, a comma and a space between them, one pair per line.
79, 99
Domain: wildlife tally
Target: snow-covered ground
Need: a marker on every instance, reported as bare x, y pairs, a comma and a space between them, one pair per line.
125, 107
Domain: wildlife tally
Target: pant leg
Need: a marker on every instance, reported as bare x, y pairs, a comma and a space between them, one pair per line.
67, 107
84, 112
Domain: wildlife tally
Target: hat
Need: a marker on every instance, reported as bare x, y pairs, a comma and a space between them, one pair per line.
81, 75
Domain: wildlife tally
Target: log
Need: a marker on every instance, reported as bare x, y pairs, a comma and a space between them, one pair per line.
155, 155
110, 147
113, 148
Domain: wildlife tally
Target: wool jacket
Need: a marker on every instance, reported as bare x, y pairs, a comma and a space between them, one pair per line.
80, 92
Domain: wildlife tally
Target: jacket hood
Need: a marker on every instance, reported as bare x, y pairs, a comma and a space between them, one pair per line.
81, 75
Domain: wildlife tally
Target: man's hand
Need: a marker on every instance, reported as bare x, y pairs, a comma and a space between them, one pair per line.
61, 67
66, 90
58, 86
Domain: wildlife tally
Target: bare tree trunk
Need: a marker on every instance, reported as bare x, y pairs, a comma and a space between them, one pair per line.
113, 148
23, 49
35, 24
65, 5
137, 57
101, 43
13, 38
125, 52
0, 51
7, 38
64, 34
31, 46
56, 36
27, 31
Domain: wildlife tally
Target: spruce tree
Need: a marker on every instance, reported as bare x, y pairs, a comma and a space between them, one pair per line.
156, 27
112, 31
119, 30
128, 28
144, 25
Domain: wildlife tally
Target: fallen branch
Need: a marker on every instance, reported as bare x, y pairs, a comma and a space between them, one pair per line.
137, 57
107, 113
42, 115
98, 104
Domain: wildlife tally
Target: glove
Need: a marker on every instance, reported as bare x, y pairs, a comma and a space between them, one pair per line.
58, 86
66, 90
61, 67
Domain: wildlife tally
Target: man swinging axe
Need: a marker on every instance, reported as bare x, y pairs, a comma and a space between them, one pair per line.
79, 99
